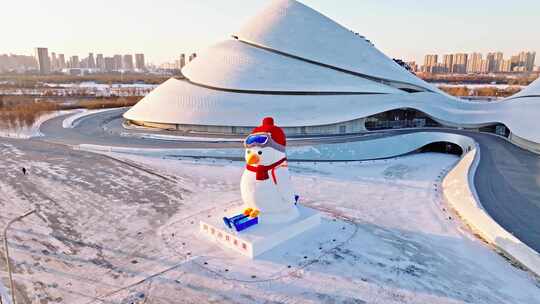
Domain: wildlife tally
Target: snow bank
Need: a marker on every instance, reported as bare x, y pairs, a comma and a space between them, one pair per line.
73, 120
166, 137
69, 122
378, 148
459, 192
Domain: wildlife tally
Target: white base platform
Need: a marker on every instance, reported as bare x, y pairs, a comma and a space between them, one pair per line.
262, 237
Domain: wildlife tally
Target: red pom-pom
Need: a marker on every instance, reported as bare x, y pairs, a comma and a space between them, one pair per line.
276, 132
268, 121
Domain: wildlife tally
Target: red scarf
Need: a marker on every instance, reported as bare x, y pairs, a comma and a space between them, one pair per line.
262, 171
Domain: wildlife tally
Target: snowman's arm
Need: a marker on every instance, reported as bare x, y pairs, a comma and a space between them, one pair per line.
284, 184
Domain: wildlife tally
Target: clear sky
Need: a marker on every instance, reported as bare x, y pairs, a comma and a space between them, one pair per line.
164, 28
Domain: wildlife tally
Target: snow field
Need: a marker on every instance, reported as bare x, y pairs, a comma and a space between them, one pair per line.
386, 237
111, 232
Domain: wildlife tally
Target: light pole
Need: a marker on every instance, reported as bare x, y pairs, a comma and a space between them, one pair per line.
6, 249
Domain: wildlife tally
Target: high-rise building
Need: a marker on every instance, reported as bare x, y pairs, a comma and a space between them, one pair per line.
54, 63
506, 66
514, 62
491, 63
100, 63
61, 61
474, 63
91, 62
460, 63
43, 61
182, 60
526, 59
485, 65
497, 59
430, 63
74, 62
139, 62
117, 62
109, 64
448, 62
127, 63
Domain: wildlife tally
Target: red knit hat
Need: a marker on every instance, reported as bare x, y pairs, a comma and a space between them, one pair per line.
276, 133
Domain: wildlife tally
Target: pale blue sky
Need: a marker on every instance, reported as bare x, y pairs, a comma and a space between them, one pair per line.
164, 28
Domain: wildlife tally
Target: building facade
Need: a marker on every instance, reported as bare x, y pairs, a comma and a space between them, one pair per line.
280, 65
100, 62
430, 63
139, 62
127, 62
43, 60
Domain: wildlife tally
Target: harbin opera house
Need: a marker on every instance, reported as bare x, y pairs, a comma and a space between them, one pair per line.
318, 78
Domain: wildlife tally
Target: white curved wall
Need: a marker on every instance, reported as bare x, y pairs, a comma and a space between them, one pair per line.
384, 147
179, 102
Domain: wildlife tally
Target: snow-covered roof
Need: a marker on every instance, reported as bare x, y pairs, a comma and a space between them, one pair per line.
291, 27
286, 56
234, 65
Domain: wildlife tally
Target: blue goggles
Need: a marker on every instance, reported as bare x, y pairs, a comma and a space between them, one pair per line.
256, 140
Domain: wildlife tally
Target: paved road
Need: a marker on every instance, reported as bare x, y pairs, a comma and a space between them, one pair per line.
105, 128
508, 186
507, 179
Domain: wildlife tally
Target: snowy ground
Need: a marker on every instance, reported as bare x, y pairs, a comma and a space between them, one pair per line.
127, 232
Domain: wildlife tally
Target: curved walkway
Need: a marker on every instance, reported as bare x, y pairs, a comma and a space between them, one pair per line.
507, 180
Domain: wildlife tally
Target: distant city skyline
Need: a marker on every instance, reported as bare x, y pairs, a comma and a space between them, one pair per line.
164, 29
47, 62
476, 63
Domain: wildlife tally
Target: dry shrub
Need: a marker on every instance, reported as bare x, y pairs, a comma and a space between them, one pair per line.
101, 103
24, 111
456, 91
35, 81
463, 91
510, 79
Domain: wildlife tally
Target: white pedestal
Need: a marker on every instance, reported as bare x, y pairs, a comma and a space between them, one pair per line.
262, 237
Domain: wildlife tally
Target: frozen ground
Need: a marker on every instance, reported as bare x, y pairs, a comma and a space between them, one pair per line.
126, 232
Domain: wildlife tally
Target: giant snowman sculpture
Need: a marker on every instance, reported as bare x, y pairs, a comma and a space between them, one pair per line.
271, 214
266, 184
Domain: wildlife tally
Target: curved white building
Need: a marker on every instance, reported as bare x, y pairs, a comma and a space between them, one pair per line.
315, 77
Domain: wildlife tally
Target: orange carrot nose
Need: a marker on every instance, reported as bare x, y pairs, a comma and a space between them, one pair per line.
253, 159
